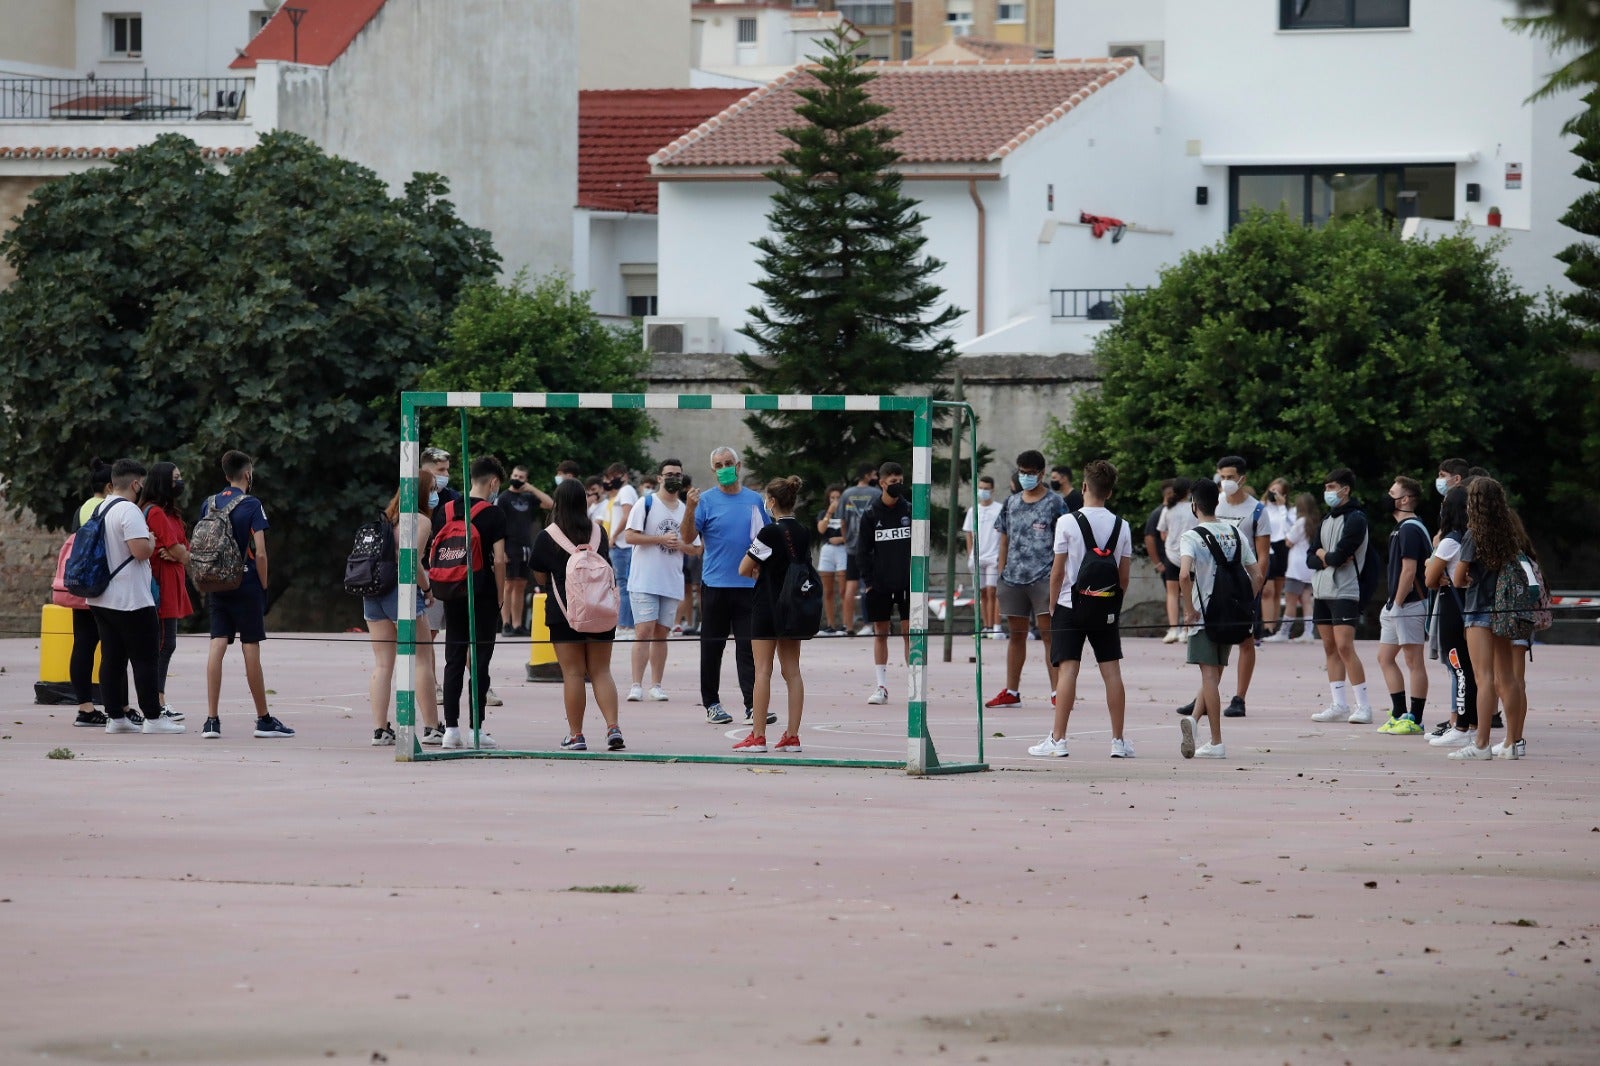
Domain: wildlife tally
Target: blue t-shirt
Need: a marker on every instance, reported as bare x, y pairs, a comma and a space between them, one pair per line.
246, 518
727, 523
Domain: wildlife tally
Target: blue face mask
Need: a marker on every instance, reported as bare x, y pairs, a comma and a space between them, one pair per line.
985, 495
1029, 482
433, 501
1331, 499
441, 481
1441, 486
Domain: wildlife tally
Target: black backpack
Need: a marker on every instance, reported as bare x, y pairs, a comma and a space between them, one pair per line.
1229, 614
797, 605
370, 569
1097, 590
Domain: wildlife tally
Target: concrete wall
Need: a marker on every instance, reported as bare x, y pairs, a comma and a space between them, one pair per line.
482, 91
27, 563
633, 44
37, 33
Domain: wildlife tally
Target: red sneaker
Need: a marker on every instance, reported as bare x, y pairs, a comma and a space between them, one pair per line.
1007, 698
788, 743
751, 743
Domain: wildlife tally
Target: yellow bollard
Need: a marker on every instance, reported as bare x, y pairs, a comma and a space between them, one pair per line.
55, 657
541, 653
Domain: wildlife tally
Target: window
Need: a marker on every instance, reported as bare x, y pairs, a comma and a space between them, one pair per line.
641, 306
867, 12
124, 36
747, 31
1012, 13
1314, 195
258, 22
1343, 14
908, 44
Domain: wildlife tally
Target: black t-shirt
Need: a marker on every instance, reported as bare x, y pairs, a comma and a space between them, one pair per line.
521, 508
884, 550
445, 496
1074, 500
775, 545
488, 529
1410, 541
551, 558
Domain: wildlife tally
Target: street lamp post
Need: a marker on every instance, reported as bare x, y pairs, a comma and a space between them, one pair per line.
295, 15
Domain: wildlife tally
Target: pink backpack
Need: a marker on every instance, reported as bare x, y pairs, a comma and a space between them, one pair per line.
592, 602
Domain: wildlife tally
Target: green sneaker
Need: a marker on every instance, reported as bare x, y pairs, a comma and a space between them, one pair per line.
1388, 725
1403, 727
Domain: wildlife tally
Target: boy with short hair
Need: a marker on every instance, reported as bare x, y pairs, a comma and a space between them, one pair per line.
885, 564
1026, 526
1072, 624
1334, 554
983, 553
1403, 622
1197, 571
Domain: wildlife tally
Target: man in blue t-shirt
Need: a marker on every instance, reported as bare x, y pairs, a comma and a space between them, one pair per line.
242, 611
722, 523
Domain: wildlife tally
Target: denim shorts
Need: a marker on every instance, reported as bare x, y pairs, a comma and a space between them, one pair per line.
833, 559
386, 608
648, 607
1476, 620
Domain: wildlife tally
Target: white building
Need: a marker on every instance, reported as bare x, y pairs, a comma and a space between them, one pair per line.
1003, 159
750, 43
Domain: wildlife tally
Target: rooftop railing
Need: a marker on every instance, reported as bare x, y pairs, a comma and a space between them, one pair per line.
1091, 304
123, 99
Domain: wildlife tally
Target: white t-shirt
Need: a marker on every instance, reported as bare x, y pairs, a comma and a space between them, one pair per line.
611, 515
1175, 521
657, 570
1203, 570
1299, 569
1069, 542
1276, 520
1242, 517
987, 537
130, 587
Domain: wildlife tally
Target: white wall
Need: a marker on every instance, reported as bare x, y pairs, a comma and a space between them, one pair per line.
633, 44
182, 38
602, 242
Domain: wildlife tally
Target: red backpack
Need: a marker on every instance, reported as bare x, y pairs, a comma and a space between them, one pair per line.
447, 557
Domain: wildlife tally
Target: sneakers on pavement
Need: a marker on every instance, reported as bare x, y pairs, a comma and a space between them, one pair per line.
1005, 698
1307, 637
1471, 751
574, 742
1121, 749
1503, 750
1186, 744
383, 738
636, 694
1404, 726
749, 715
122, 725
1050, 748
159, 724
1171, 636
1235, 708
751, 743
1362, 715
1452, 738
1331, 713
212, 730
789, 743
450, 737
657, 694
881, 695
1441, 729
89, 719
614, 739
1187, 708
715, 715
1281, 636
270, 728
1211, 751
432, 735
491, 700
170, 714
1520, 749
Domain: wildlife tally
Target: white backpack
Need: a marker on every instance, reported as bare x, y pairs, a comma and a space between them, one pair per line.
592, 602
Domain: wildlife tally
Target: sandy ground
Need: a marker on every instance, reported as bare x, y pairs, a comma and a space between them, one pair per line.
1326, 895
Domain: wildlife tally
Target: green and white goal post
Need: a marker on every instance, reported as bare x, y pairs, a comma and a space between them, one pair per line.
921, 756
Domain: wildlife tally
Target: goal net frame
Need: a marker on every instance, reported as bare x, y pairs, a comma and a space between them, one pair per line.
921, 756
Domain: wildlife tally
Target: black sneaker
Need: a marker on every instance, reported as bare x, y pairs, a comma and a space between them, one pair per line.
614, 739
138, 719
1235, 708
507, 631
1441, 729
382, 738
212, 730
1498, 723
270, 727
1187, 708
522, 631
88, 719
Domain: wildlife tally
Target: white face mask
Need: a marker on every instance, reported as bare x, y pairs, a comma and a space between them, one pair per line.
1441, 485
1229, 486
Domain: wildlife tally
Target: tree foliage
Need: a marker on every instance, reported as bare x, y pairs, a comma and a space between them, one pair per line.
1571, 26
1304, 349
510, 338
167, 309
850, 301
1576, 463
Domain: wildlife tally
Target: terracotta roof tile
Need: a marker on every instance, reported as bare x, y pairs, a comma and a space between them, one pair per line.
326, 30
619, 128
947, 112
983, 49
99, 152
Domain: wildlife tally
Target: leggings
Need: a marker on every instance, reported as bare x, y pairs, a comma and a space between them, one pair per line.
80, 668
169, 644
1453, 650
722, 611
129, 638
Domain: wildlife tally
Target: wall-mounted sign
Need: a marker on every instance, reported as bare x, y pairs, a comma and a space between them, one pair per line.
1513, 175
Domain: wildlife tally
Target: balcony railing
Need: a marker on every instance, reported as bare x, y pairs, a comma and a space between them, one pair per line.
124, 99
1091, 304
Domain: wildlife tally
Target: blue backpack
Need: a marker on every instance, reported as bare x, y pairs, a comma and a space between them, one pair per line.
88, 572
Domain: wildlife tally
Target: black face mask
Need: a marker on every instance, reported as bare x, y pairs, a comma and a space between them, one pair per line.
897, 491
177, 487
614, 483
1055, 486
517, 482
673, 485
1386, 504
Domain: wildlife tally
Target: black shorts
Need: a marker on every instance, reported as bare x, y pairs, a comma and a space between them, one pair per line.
241, 612
1169, 571
1067, 639
561, 633
852, 567
881, 602
1278, 560
517, 555
1335, 612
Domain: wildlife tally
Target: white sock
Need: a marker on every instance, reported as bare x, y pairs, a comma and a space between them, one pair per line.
1361, 695
883, 675
1337, 688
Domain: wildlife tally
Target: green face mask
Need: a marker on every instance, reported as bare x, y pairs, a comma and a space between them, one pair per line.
727, 475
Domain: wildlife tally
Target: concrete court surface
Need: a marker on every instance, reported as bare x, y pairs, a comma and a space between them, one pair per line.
1326, 895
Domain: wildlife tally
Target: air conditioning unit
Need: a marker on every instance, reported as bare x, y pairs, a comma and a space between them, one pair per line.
682, 336
1150, 54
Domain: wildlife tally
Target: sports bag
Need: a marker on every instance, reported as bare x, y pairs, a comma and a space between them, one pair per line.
797, 604
88, 571
58, 585
1520, 600
215, 562
370, 569
1097, 590
447, 559
1229, 614
591, 603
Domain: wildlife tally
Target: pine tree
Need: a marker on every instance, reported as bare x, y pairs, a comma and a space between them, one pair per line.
1583, 257
850, 302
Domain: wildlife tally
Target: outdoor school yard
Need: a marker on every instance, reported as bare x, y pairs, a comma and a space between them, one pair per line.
1327, 894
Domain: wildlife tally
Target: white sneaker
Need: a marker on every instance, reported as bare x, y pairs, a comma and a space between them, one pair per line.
1503, 750
432, 735
491, 700
1520, 749
160, 725
452, 737
1362, 715
121, 725
484, 741
879, 695
1048, 748
1121, 749
170, 714
1211, 751
658, 694
1185, 633
1471, 751
1186, 746
1452, 738
1172, 635
1281, 636
1331, 713
636, 694
865, 631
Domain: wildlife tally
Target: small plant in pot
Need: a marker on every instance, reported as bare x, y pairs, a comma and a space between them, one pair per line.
1494, 216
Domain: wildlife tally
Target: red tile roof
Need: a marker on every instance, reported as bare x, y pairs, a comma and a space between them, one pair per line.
326, 30
619, 128
98, 152
982, 48
958, 112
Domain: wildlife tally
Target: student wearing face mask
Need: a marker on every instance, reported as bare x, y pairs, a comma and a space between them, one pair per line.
436, 462
1450, 475
520, 502
1027, 528
1061, 484
983, 553
1404, 619
885, 556
620, 498
1334, 554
